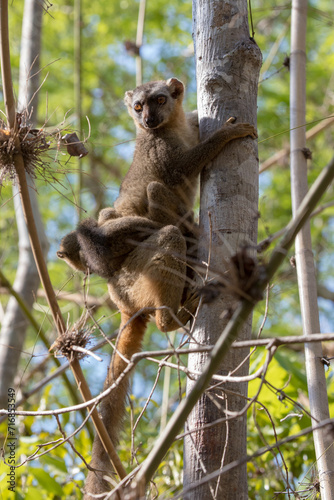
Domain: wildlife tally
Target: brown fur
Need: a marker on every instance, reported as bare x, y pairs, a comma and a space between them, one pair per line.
101, 248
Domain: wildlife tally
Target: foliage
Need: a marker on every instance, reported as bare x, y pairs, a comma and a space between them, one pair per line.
107, 71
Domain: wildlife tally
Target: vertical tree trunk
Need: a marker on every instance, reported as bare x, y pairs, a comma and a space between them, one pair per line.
307, 283
30, 57
26, 283
139, 41
78, 90
228, 64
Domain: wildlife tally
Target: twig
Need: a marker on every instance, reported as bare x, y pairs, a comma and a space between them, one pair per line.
56, 443
85, 351
325, 123
289, 339
135, 359
147, 400
71, 444
262, 245
276, 439
265, 312
284, 396
294, 128
219, 378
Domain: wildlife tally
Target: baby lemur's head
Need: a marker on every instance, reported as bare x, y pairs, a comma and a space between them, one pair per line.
155, 104
70, 251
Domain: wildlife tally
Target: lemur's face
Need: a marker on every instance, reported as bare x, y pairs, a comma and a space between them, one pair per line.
152, 105
70, 252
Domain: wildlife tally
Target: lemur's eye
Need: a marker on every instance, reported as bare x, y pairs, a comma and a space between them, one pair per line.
161, 99
137, 106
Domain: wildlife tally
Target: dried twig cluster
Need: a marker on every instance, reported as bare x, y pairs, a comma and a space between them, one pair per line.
241, 280
32, 143
74, 341
28, 141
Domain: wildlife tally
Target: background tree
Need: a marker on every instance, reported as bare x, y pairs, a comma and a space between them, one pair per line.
306, 277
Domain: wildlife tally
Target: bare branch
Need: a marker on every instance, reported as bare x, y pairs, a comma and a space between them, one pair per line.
280, 155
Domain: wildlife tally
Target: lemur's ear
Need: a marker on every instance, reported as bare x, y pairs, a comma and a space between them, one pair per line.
128, 97
176, 88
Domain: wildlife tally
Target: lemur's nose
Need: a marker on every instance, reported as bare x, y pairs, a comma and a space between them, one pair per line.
149, 121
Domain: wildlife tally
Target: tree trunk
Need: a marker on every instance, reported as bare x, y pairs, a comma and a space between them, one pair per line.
26, 283
307, 282
228, 64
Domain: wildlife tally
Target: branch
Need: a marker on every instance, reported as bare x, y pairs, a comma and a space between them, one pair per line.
277, 157
263, 245
277, 341
325, 293
90, 301
56, 443
88, 402
269, 342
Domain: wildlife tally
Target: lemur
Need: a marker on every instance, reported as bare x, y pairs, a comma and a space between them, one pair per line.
139, 245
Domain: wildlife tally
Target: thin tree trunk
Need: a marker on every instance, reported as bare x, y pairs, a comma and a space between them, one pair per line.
30, 57
26, 283
78, 91
307, 283
228, 64
139, 41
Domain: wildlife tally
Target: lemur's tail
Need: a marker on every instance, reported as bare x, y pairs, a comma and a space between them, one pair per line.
112, 408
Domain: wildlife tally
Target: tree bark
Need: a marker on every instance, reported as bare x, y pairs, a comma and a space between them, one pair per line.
26, 283
307, 283
227, 64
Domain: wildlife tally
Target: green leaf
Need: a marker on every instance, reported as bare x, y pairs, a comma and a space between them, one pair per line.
290, 366
54, 462
47, 482
34, 493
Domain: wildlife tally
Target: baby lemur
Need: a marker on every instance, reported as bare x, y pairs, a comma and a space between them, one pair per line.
139, 245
